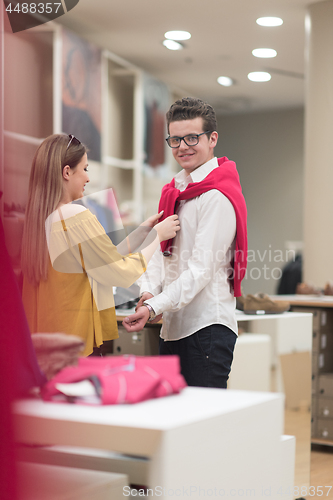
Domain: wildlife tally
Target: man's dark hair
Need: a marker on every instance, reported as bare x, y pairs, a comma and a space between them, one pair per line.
189, 108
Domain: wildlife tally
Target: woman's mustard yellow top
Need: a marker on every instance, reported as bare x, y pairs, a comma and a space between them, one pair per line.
77, 297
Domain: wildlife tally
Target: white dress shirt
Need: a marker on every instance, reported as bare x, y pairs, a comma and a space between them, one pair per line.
191, 287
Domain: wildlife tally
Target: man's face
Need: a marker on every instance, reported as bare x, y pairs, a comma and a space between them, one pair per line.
192, 157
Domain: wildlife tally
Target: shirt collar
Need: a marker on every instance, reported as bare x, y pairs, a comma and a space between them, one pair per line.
181, 179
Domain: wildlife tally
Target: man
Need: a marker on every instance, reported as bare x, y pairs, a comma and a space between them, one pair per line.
195, 280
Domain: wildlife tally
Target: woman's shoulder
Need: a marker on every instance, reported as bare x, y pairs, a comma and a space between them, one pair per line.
72, 209
75, 218
67, 211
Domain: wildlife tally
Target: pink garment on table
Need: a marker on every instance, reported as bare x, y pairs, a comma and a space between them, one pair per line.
122, 379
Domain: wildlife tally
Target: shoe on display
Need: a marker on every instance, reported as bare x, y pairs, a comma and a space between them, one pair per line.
328, 290
307, 289
263, 304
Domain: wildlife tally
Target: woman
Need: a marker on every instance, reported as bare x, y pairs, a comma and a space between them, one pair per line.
69, 264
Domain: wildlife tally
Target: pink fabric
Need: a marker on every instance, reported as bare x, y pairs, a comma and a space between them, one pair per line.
123, 379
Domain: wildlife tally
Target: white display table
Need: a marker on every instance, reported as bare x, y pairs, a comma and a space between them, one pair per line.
291, 347
208, 442
290, 333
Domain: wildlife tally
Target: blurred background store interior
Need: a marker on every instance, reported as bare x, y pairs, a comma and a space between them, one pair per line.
101, 71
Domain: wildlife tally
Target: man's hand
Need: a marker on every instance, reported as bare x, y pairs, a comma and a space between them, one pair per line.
144, 296
135, 322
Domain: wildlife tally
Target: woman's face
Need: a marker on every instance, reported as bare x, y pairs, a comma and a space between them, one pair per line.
78, 178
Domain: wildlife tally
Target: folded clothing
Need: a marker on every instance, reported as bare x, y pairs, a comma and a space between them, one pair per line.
117, 380
56, 351
56, 341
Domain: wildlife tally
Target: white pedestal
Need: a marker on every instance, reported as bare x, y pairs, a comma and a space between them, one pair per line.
251, 366
289, 332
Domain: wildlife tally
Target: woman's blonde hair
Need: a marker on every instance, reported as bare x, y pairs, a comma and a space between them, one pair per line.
45, 193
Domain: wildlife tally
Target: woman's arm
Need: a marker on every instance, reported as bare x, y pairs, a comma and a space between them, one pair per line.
143, 235
86, 244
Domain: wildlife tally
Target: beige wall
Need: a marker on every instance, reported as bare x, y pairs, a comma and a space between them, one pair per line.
268, 150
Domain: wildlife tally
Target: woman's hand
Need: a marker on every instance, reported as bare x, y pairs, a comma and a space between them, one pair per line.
135, 322
153, 220
167, 229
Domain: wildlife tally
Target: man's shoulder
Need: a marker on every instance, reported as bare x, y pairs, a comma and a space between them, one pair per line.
215, 202
214, 194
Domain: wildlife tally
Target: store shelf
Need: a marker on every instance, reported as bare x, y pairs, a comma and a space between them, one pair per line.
322, 442
120, 109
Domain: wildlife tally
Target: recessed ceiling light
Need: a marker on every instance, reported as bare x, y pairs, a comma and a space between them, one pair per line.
225, 81
177, 35
269, 21
264, 53
259, 76
172, 45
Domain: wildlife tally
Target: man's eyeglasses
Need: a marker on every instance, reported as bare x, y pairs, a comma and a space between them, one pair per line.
74, 140
190, 140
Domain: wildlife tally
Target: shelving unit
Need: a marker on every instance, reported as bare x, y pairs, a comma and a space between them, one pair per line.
322, 363
123, 132
28, 117
33, 110
322, 375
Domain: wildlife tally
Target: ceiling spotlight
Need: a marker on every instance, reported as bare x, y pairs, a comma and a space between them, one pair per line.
259, 76
266, 53
177, 35
225, 81
269, 21
172, 45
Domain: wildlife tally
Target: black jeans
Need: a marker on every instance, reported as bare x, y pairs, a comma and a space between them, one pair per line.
205, 356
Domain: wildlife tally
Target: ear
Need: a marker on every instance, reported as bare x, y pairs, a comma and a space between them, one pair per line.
213, 138
66, 172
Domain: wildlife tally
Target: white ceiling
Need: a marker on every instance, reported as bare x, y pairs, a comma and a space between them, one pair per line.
224, 33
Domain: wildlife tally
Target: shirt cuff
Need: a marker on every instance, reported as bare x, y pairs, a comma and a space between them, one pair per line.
147, 286
160, 303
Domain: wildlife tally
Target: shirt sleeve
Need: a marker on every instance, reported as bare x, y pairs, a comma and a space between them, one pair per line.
83, 246
151, 281
215, 233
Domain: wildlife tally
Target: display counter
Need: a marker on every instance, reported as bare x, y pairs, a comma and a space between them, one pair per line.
290, 367
197, 442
